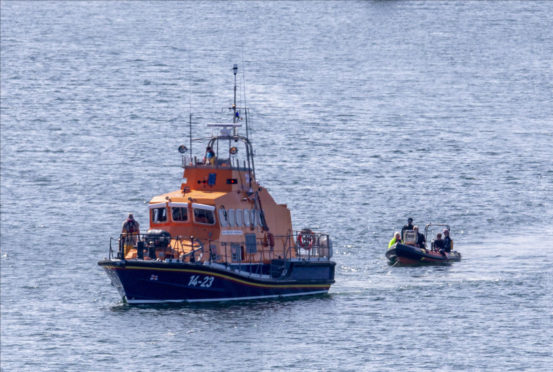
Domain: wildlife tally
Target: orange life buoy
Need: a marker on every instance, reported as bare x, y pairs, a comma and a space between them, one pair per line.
268, 240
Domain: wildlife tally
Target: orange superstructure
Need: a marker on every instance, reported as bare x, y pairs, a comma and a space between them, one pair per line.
222, 203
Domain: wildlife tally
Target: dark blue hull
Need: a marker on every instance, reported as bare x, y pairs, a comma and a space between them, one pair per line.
162, 282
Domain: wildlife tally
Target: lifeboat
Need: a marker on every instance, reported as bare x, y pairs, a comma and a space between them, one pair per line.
407, 253
221, 236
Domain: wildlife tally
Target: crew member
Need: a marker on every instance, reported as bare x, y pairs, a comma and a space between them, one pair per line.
421, 239
409, 226
395, 239
448, 243
438, 242
130, 230
209, 156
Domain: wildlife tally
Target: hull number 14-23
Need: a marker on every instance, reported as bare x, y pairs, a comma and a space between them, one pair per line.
199, 281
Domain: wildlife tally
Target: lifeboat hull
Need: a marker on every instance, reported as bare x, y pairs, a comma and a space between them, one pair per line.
406, 255
144, 282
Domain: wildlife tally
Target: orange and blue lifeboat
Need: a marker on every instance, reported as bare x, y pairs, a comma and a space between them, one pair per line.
221, 236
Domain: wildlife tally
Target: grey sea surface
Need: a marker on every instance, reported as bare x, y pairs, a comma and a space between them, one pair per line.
363, 113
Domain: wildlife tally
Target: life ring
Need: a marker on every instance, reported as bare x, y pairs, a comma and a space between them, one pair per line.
268, 240
306, 239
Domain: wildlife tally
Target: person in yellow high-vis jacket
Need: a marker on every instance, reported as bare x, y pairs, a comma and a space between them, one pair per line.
395, 239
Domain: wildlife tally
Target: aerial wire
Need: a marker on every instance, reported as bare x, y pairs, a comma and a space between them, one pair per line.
244, 90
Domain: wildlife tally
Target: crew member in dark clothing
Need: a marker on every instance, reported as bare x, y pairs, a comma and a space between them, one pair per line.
438, 242
421, 239
129, 233
131, 228
448, 243
409, 226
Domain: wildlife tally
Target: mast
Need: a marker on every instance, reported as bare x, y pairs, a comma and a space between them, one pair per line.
245, 105
190, 103
190, 132
235, 71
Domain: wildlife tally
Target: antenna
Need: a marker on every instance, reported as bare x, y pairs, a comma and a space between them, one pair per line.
190, 132
245, 102
235, 71
190, 101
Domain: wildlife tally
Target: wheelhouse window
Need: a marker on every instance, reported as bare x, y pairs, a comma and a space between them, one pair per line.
253, 217
158, 213
247, 217
239, 216
179, 212
231, 217
223, 217
257, 215
204, 214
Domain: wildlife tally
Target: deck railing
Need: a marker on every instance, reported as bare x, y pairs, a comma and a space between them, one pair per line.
300, 246
229, 163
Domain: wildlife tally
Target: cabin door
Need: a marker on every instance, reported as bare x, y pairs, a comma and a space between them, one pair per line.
251, 244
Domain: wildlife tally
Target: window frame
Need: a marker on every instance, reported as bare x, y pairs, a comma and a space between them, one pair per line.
203, 207
153, 208
258, 217
223, 217
179, 205
231, 217
239, 217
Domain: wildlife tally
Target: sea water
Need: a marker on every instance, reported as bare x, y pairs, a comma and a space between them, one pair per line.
362, 113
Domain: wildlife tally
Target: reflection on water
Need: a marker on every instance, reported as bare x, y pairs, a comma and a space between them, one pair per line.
251, 305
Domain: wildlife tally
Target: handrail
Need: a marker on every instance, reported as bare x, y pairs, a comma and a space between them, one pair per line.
314, 246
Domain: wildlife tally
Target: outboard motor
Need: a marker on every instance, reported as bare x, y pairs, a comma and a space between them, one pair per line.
156, 239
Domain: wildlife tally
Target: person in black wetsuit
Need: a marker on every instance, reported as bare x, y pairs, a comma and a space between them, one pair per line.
409, 226
421, 239
448, 243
